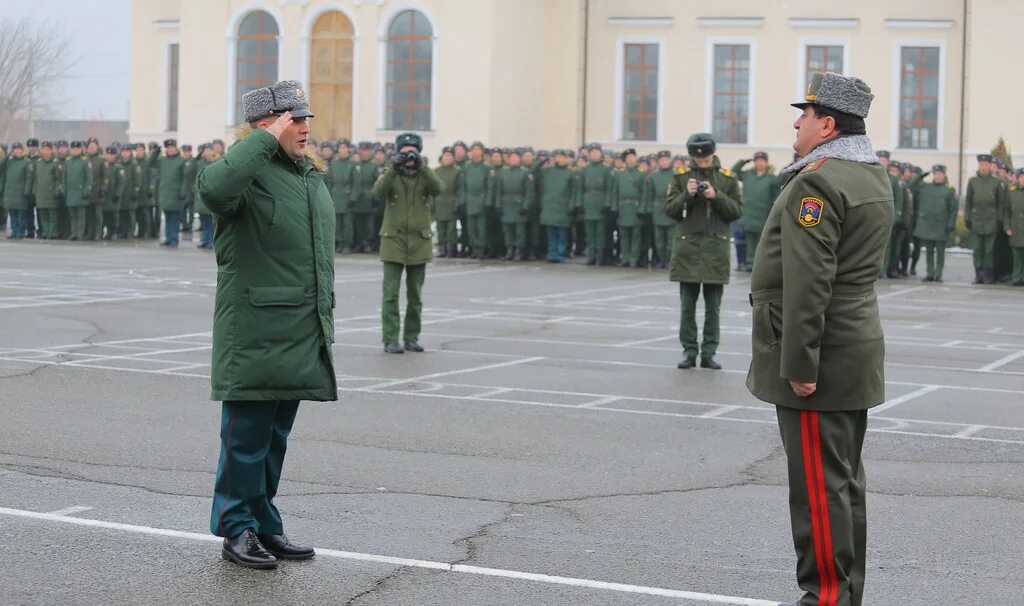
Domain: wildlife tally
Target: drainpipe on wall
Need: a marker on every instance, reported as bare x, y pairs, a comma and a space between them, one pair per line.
963, 99
585, 48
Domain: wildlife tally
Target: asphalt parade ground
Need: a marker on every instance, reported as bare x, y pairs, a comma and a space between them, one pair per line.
545, 450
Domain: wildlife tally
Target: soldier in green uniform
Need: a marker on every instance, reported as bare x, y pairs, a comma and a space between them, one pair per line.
985, 201
364, 175
98, 193
532, 162
130, 197
760, 189
154, 206
17, 184
936, 206
77, 189
704, 200
627, 204
143, 212
327, 152
557, 194
445, 205
595, 182
1013, 221
818, 347
885, 160
902, 210
340, 176
112, 197
171, 185
207, 156
63, 225
474, 198
513, 197
47, 187
495, 233
461, 151
656, 190
33, 228
406, 189
189, 175
3, 163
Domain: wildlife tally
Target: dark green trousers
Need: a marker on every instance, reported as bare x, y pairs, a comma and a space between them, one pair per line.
595, 236
143, 217
515, 234
126, 223
389, 312
1018, 263
362, 228
253, 442
934, 257
110, 223
984, 250
827, 506
689, 292
477, 228
630, 248
93, 221
663, 242
447, 233
753, 237
343, 230
48, 222
76, 218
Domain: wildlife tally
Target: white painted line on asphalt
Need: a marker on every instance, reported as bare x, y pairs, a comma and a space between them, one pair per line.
646, 341
1002, 361
917, 393
449, 373
67, 511
970, 430
709, 598
722, 410
490, 393
599, 402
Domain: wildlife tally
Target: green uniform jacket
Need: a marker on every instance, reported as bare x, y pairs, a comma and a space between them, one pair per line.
558, 198
132, 185
595, 190
273, 321
77, 181
1013, 217
473, 193
936, 211
189, 178
759, 192
405, 232
655, 193
445, 203
100, 173
170, 182
898, 197
986, 198
17, 183
116, 187
701, 249
197, 200
627, 197
909, 217
513, 193
341, 178
815, 313
364, 175
147, 198
48, 182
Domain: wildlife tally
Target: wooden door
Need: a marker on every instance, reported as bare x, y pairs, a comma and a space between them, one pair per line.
330, 76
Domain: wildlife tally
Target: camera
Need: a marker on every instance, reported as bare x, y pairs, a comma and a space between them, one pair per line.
702, 187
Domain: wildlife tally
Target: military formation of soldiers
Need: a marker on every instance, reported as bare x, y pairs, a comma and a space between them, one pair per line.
497, 203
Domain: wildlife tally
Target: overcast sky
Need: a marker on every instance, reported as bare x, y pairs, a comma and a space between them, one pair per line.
99, 42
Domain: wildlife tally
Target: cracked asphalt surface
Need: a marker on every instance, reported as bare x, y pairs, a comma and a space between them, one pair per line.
546, 431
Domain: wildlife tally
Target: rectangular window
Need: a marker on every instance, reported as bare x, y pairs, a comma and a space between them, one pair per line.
731, 99
172, 87
640, 92
823, 59
919, 97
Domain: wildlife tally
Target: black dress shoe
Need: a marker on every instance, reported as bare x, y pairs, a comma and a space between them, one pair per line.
710, 363
687, 362
413, 346
282, 547
246, 550
393, 348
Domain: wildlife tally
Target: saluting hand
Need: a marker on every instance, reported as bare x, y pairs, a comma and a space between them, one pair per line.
803, 390
278, 127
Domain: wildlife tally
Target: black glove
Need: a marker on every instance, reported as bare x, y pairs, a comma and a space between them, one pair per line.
398, 160
523, 210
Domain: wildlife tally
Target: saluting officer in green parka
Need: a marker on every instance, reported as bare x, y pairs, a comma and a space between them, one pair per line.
1013, 220
445, 205
985, 200
936, 206
818, 347
704, 199
406, 189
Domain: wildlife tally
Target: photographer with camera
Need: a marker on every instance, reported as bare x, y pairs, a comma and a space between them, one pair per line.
704, 199
406, 242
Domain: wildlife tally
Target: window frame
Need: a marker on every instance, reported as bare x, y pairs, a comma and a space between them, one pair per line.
801, 59
259, 59
899, 98
896, 83
384, 37
709, 85
620, 87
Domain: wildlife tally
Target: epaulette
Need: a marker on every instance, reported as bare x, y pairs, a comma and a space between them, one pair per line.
725, 171
1013, 188
681, 170
814, 165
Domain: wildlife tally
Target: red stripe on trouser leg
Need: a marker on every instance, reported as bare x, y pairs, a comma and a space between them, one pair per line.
826, 521
824, 581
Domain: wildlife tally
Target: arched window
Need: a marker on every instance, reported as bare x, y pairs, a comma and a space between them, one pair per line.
410, 62
256, 56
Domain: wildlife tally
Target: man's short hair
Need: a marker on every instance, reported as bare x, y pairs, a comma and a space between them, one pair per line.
846, 124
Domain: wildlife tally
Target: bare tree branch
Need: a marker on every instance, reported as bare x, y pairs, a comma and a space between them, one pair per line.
34, 59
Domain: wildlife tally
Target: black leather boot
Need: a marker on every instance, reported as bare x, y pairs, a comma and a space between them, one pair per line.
283, 548
393, 348
247, 550
710, 363
687, 362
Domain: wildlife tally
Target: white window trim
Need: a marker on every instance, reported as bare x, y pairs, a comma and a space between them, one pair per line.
642, 21
382, 65
800, 22
709, 83
231, 42
897, 72
801, 59
165, 85
306, 37
620, 83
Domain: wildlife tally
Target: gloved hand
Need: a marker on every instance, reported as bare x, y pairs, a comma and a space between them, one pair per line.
968, 224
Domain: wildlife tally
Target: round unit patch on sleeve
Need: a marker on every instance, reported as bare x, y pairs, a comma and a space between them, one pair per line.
810, 211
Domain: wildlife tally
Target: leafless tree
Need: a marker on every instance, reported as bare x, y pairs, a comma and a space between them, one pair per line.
33, 60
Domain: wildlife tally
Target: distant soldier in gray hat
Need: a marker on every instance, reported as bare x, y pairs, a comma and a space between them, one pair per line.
818, 347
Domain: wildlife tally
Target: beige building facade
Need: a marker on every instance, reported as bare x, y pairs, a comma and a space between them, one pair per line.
555, 73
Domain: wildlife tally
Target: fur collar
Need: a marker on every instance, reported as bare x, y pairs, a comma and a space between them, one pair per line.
244, 130
855, 148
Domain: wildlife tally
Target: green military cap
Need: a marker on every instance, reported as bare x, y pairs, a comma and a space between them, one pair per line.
883, 154
447, 149
170, 143
841, 93
664, 154
700, 145
17, 145
593, 146
186, 147
459, 143
111, 149
345, 142
47, 144
77, 144
281, 97
760, 155
628, 152
515, 150
984, 157
938, 168
365, 145
406, 139
32, 142
478, 144
62, 143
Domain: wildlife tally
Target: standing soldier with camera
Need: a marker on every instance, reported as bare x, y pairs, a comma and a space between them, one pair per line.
405, 189
704, 199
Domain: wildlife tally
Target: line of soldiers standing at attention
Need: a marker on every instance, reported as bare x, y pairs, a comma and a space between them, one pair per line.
79, 191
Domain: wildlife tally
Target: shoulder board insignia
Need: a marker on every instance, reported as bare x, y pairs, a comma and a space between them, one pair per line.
681, 170
1013, 188
811, 210
814, 165
726, 172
